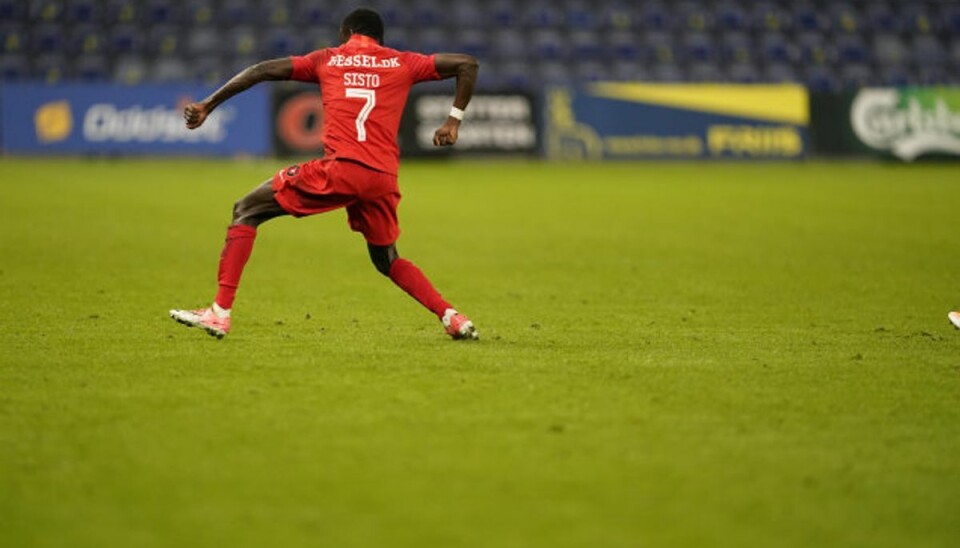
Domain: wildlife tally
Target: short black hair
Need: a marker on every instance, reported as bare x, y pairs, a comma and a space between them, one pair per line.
363, 21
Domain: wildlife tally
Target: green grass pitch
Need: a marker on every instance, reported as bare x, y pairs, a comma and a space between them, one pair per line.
671, 355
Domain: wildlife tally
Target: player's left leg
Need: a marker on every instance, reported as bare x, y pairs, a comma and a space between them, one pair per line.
411, 279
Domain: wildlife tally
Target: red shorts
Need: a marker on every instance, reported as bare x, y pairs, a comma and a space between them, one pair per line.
370, 196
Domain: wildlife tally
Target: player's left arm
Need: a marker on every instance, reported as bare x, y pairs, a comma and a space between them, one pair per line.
274, 69
465, 68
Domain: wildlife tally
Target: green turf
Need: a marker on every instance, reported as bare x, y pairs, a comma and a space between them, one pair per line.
671, 355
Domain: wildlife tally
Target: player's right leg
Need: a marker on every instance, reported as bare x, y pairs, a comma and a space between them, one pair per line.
954, 319
249, 212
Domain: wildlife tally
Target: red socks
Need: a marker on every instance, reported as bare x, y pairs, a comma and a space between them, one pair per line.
410, 279
236, 251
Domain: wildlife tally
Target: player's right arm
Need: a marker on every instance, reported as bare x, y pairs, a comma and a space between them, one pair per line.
274, 69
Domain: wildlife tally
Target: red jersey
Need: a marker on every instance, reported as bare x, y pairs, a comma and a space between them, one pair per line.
364, 87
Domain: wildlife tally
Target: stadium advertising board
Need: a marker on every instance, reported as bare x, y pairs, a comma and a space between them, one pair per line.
684, 121
297, 120
109, 119
495, 123
904, 123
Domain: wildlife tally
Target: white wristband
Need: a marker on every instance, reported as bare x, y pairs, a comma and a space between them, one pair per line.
456, 113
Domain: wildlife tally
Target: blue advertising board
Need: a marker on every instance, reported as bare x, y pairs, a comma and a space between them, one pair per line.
110, 119
638, 121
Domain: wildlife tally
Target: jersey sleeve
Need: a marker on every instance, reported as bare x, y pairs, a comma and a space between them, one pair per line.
422, 67
305, 66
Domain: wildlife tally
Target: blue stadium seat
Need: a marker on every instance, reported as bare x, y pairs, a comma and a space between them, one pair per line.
821, 79
776, 48
280, 41
928, 50
585, 45
276, 14
624, 46
666, 73
201, 13
130, 70
743, 73
433, 40
889, 49
880, 18
590, 71
399, 38
14, 68
655, 16
47, 39
316, 14
92, 68
46, 11
628, 71
815, 49
854, 76
845, 18
736, 47
13, 11
473, 42
209, 70
931, 76
780, 73
543, 15
243, 42
918, 19
618, 16
468, 15
169, 70
125, 39
555, 73
851, 48
203, 41
548, 44
165, 41
122, 12
660, 48
87, 40
699, 47
502, 14
509, 44
162, 12
52, 68
582, 15
768, 16
429, 14
86, 12
808, 17
516, 75
895, 75
951, 18
731, 16
705, 73
319, 38
692, 15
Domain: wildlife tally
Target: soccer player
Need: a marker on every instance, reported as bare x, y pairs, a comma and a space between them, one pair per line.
954, 319
364, 88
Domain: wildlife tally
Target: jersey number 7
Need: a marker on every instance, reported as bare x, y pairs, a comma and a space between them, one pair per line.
370, 96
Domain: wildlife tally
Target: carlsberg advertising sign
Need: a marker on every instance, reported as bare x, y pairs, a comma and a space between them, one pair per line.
908, 122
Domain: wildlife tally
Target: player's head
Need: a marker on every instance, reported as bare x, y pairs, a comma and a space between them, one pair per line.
363, 21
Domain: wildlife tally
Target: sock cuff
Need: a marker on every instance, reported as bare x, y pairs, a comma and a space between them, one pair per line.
241, 230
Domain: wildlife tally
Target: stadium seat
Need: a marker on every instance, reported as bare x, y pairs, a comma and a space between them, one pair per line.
698, 47
666, 73
770, 17
736, 47
13, 11
808, 17
46, 11
52, 68
429, 14
889, 49
235, 13
48, 39
130, 70
585, 45
918, 19
469, 15
164, 40
813, 48
276, 14
548, 44
473, 42
618, 16
880, 18
14, 68
775, 48
92, 68
743, 73
821, 79
928, 50
704, 73
590, 71
281, 41
854, 76
242, 41
509, 44
582, 15
655, 16
951, 18
555, 73
433, 40
851, 48
125, 40
693, 16
730, 16
628, 71
122, 12
543, 14
201, 13
894, 75
502, 14
779, 73
166, 70
203, 41
162, 12
398, 38
209, 70
87, 40
623, 45
14, 39
86, 12
516, 75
